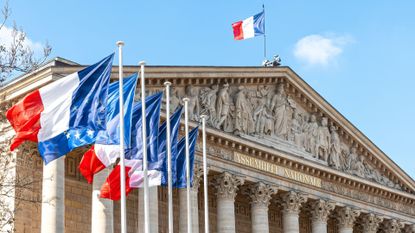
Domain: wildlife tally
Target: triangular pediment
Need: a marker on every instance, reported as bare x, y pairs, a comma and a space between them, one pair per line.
274, 107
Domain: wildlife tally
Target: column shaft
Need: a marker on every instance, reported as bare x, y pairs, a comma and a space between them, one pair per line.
183, 210
154, 210
102, 209
290, 222
319, 227
53, 197
226, 215
346, 230
259, 217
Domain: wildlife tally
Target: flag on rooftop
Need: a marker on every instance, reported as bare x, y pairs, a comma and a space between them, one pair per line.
249, 27
65, 114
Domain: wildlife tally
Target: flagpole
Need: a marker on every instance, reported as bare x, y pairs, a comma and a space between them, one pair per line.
120, 44
205, 181
186, 128
144, 133
168, 145
265, 36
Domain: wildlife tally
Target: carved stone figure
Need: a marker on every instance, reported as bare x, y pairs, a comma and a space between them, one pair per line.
261, 116
279, 107
223, 108
323, 141
244, 122
334, 149
312, 136
304, 128
193, 105
351, 159
208, 102
174, 100
296, 129
357, 167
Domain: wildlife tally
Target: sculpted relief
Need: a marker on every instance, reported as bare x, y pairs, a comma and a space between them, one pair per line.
269, 115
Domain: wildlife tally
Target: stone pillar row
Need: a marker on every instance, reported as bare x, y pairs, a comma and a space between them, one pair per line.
226, 186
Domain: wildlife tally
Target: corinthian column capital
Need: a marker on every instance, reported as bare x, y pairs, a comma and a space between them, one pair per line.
392, 226
409, 229
371, 223
226, 185
197, 176
347, 216
292, 201
260, 193
320, 210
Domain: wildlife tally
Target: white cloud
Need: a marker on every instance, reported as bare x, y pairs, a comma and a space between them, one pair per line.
6, 39
320, 50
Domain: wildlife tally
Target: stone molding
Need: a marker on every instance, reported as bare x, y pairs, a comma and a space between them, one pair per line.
291, 201
260, 193
371, 222
346, 216
226, 185
321, 209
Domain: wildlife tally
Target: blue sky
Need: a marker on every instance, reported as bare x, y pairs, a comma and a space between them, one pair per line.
357, 54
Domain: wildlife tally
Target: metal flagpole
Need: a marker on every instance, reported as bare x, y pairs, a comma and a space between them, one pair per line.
168, 145
205, 181
265, 36
144, 133
186, 130
120, 44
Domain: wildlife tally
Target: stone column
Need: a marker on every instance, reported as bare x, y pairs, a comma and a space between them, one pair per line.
392, 226
226, 189
102, 209
346, 217
53, 197
194, 191
154, 209
371, 222
260, 195
291, 203
409, 229
320, 211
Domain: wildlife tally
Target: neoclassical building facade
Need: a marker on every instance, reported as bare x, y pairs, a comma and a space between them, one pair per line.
281, 160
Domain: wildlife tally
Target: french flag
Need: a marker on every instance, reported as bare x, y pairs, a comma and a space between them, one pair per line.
157, 173
106, 149
250, 27
134, 155
64, 114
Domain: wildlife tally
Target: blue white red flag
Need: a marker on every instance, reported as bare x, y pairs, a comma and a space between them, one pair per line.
106, 149
250, 27
134, 154
65, 114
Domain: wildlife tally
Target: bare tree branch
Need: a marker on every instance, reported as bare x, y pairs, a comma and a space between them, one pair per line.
17, 56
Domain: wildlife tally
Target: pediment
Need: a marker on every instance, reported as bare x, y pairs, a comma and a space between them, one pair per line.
274, 107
